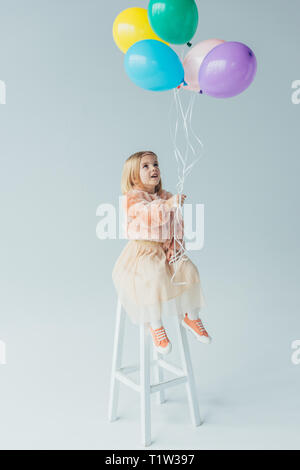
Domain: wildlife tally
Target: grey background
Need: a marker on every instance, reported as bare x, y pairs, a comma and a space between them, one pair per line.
72, 117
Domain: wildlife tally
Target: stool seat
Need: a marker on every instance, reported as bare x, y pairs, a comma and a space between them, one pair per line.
119, 374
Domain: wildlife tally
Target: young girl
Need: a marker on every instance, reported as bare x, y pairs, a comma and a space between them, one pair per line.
142, 274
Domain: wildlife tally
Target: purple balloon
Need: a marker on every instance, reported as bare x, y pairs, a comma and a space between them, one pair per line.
227, 70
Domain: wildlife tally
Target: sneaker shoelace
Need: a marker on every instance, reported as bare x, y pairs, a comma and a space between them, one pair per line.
199, 324
160, 334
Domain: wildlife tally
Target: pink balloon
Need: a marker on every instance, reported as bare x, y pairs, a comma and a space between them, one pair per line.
193, 61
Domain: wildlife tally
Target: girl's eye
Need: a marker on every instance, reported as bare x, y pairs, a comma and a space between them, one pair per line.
144, 166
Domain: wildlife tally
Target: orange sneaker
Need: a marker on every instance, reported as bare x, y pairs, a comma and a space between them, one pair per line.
196, 327
160, 340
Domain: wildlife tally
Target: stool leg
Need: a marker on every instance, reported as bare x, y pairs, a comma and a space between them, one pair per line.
158, 377
116, 363
187, 366
145, 386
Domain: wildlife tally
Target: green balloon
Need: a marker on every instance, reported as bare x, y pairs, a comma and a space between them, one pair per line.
174, 21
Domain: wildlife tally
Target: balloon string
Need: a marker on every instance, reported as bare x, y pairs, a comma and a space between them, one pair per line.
184, 167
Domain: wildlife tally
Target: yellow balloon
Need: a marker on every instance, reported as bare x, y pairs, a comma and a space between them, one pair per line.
132, 25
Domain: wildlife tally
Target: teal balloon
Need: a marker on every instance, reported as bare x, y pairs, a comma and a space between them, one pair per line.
153, 65
174, 21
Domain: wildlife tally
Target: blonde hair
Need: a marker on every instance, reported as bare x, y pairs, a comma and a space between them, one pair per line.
131, 172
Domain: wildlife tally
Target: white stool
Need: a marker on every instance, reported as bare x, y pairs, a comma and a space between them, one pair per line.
119, 374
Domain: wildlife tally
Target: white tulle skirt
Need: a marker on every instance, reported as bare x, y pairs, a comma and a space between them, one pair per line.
142, 278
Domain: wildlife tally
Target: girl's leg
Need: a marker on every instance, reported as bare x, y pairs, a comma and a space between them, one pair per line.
156, 324
194, 314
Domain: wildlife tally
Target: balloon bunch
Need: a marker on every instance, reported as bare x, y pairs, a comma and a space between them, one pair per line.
212, 67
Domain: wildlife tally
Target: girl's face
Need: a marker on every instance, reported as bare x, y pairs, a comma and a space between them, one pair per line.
149, 172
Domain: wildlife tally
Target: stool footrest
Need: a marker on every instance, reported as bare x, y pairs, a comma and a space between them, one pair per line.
158, 362
126, 381
170, 367
122, 377
168, 383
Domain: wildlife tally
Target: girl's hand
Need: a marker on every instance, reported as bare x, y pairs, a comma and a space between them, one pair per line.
177, 199
169, 254
170, 251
